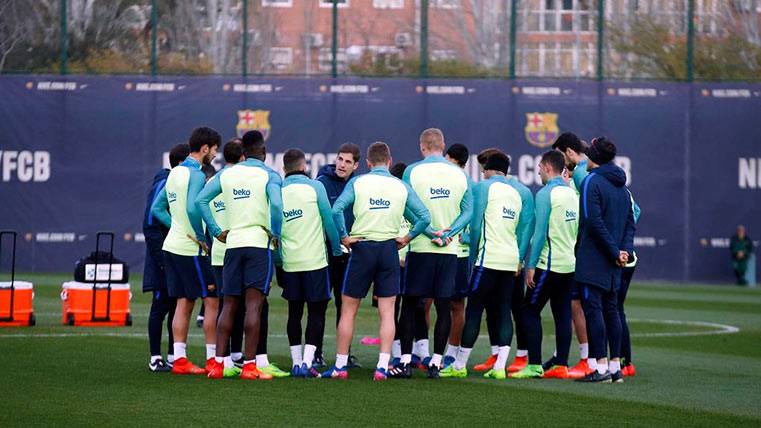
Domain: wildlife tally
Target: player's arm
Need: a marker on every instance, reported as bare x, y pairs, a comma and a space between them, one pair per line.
154, 238
480, 198
542, 221
579, 174
628, 238
323, 205
636, 211
592, 209
344, 201
211, 190
416, 213
160, 208
466, 212
275, 196
196, 182
526, 222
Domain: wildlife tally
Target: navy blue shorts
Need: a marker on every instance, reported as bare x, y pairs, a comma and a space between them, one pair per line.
462, 278
430, 275
189, 277
247, 267
218, 279
372, 262
485, 281
576, 290
307, 286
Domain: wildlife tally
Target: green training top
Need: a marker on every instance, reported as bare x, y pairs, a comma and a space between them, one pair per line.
379, 201
307, 221
578, 175
527, 199
253, 204
217, 206
557, 225
499, 221
183, 219
446, 192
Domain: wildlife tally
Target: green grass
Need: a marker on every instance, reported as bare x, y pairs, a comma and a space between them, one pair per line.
56, 375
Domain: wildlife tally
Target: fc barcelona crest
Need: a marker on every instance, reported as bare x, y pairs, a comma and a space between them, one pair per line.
541, 128
253, 120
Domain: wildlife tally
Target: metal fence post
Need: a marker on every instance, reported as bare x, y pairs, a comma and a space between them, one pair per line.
600, 39
513, 35
64, 39
244, 48
334, 42
154, 37
690, 38
424, 38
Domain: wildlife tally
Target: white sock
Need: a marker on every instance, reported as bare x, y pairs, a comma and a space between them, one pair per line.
406, 358
155, 358
309, 351
341, 360
555, 353
211, 351
521, 353
228, 361
592, 363
296, 355
396, 349
461, 360
421, 348
236, 356
601, 368
494, 349
451, 351
262, 361
179, 350
501, 362
614, 366
170, 358
249, 362
436, 360
383, 358
219, 359
583, 351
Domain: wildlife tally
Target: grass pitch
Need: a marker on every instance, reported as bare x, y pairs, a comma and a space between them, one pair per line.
697, 350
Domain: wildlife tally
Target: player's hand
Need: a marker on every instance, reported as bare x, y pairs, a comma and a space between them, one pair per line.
274, 242
222, 237
402, 242
623, 258
439, 242
348, 241
530, 278
441, 233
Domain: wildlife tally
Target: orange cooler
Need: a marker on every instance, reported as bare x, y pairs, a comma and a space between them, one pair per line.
77, 298
22, 313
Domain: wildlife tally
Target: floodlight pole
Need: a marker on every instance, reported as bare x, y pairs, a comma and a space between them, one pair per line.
600, 39
690, 38
244, 53
154, 37
64, 39
513, 35
334, 42
424, 38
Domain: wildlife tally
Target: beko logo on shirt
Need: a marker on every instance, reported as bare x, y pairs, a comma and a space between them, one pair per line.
508, 213
570, 215
439, 193
219, 206
293, 214
172, 196
379, 204
241, 193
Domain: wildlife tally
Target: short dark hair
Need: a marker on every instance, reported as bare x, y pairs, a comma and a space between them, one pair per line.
233, 151
397, 170
555, 159
601, 150
253, 145
498, 161
568, 140
378, 153
292, 159
484, 154
203, 136
350, 148
178, 154
459, 153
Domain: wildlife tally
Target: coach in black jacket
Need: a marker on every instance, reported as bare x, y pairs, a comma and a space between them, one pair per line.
605, 244
154, 279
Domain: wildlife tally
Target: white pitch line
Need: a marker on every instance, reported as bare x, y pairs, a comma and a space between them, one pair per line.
720, 329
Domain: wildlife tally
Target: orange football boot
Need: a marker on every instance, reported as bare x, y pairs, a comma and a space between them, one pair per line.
250, 372
628, 370
579, 370
557, 372
486, 365
183, 366
214, 369
518, 364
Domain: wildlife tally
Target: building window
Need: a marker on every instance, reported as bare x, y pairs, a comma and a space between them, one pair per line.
388, 4
325, 57
281, 58
445, 4
561, 16
329, 3
443, 55
277, 3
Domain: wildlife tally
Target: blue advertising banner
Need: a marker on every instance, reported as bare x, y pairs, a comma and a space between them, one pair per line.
78, 154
